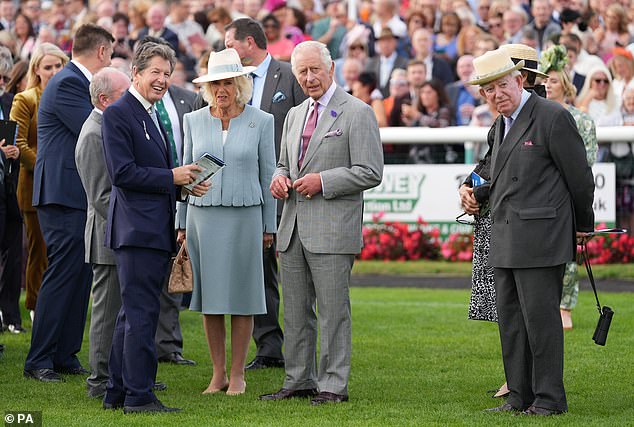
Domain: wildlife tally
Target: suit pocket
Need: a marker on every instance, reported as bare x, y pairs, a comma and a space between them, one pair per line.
538, 213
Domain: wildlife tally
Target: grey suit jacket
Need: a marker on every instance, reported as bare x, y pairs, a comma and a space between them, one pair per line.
346, 150
542, 188
281, 92
91, 167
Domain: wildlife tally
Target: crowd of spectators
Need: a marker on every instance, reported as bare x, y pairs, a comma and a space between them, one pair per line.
409, 60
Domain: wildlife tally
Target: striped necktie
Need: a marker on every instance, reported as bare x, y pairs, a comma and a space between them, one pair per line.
167, 124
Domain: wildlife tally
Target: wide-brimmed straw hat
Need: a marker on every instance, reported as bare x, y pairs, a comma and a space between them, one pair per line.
493, 65
224, 65
518, 52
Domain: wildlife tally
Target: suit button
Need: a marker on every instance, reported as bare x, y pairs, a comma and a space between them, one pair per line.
514, 179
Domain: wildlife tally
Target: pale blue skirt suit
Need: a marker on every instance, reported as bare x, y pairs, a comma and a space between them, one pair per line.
224, 228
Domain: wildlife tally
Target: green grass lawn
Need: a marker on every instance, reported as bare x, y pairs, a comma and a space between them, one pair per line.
416, 361
463, 269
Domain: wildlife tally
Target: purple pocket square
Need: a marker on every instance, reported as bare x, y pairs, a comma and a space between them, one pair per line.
336, 132
528, 143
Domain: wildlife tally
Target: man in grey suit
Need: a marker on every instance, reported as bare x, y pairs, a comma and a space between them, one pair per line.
275, 91
541, 193
331, 152
105, 88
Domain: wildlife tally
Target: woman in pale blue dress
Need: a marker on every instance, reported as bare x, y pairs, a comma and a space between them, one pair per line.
227, 228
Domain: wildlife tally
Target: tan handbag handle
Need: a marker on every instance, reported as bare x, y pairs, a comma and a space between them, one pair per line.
182, 255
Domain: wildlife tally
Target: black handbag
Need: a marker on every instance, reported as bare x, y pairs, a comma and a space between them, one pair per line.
605, 313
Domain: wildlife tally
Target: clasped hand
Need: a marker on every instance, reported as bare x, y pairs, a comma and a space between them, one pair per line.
467, 200
308, 186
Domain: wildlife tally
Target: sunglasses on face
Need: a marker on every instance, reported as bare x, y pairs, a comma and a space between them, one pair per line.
357, 47
604, 81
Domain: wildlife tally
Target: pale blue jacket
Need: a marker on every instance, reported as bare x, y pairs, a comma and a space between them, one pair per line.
249, 154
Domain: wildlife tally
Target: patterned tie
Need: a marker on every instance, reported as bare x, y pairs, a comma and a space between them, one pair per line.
167, 124
253, 76
311, 124
508, 122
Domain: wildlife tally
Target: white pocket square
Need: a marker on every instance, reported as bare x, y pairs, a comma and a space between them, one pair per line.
336, 132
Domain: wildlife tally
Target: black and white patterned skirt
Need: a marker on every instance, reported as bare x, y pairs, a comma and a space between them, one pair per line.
482, 302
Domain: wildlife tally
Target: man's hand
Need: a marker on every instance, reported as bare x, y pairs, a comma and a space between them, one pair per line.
280, 186
468, 202
10, 151
267, 240
185, 174
583, 237
201, 189
308, 185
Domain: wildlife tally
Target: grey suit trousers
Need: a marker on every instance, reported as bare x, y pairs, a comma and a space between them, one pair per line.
168, 338
322, 278
531, 335
106, 303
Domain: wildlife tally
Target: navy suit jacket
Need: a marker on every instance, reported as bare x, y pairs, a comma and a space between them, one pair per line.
441, 70
143, 198
168, 35
64, 107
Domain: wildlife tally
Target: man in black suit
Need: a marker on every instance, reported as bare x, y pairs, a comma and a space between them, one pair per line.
275, 90
169, 340
541, 193
11, 246
381, 65
437, 68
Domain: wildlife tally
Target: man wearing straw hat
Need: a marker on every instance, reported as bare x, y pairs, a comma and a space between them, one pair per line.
539, 193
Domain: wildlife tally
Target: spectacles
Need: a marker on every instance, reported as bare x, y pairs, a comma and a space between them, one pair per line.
357, 47
464, 221
604, 81
495, 25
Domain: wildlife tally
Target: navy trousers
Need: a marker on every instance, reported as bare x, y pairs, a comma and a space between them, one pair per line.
62, 304
133, 362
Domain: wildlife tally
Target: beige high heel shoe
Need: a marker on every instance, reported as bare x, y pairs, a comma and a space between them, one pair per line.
237, 392
502, 392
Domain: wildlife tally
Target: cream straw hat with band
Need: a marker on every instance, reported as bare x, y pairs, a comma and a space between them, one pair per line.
519, 51
493, 65
224, 65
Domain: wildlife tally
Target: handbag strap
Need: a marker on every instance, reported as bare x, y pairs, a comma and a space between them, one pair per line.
586, 261
182, 254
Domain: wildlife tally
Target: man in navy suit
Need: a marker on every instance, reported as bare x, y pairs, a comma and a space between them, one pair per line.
140, 225
156, 27
61, 205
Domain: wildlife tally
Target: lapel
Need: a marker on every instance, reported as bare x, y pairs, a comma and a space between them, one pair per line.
147, 125
328, 117
503, 148
270, 85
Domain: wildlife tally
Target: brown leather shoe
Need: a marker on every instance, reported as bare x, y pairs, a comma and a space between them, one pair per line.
327, 397
285, 393
507, 407
544, 412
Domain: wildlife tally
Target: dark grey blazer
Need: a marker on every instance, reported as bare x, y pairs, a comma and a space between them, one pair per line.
542, 188
184, 101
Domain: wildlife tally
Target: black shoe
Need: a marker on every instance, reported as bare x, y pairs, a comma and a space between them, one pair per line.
159, 387
176, 358
45, 375
507, 407
285, 393
327, 397
261, 362
543, 412
152, 407
97, 392
79, 370
112, 406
